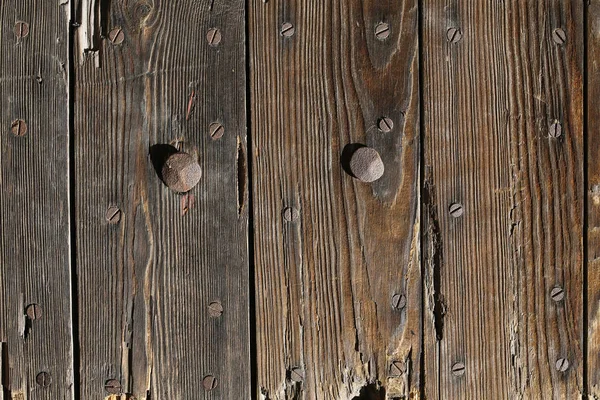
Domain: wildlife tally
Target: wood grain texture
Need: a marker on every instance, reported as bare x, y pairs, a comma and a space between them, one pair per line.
490, 100
325, 282
145, 283
34, 201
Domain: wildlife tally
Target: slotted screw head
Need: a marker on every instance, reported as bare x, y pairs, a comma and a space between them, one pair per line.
290, 214
215, 309
557, 293
562, 364
559, 36
19, 127
397, 368
21, 29
297, 374
385, 124
213, 36
366, 164
43, 379
181, 172
33, 311
454, 35
456, 210
112, 386
209, 382
382, 31
287, 29
398, 301
555, 129
116, 36
216, 130
458, 369
113, 215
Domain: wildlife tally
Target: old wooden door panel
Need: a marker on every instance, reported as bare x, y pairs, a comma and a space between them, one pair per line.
503, 138
333, 256
34, 201
146, 276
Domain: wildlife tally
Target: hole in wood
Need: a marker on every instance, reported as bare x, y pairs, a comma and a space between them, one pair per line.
371, 392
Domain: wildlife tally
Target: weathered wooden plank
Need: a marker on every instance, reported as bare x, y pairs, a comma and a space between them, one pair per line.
34, 201
146, 279
327, 271
493, 92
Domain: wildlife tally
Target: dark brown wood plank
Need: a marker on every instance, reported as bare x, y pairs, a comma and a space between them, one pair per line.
34, 200
326, 328
145, 282
491, 99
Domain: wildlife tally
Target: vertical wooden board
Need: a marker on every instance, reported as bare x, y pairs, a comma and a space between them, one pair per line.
492, 93
146, 281
34, 200
325, 324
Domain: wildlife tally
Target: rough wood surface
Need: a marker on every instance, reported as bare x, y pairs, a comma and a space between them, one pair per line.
34, 200
146, 281
490, 101
326, 272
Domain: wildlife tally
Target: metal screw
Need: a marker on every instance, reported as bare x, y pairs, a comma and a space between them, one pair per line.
398, 301
458, 369
116, 36
287, 29
33, 311
454, 35
113, 215
555, 129
562, 364
557, 293
385, 124
21, 29
297, 374
209, 382
112, 386
216, 130
215, 309
559, 36
456, 210
366, 164
213, 36
43, 379
290, 214
397, 368
382, 31
19, 127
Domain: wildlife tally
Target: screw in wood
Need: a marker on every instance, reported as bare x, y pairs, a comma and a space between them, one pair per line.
216, 130
397, 368
562, 364
112, 386
209, 382
113, 215
19, 127
215, 309
456, 210
287, 29
43, 379
458, 369
213, 36
555, 130
33, 311
385, 124
398, 301
21, 29
297, 374
557, 293
290, 214
181, 172
116, 36
559, 36
366, 164
454, 35
382, 31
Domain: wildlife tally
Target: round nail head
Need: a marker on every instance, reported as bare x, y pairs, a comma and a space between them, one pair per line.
181, 172
366, 164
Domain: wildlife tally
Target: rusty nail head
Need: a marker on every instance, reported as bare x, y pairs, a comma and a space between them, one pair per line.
113, 215
385, 124
19, 127
21, 29
382, 31
454, 35
290, 214
112, 386
181, 172
559, 36
213, 36
555, 129
398, 301
215, 309
116, 36
209, 382
33, 311
287, 29
216, 130
397, 368
43, 379
297, 374
458, 369
366, 164
557, 293
456, 210
562, 364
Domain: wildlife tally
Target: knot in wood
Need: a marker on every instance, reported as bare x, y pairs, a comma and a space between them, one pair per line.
366, 164
181, 172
